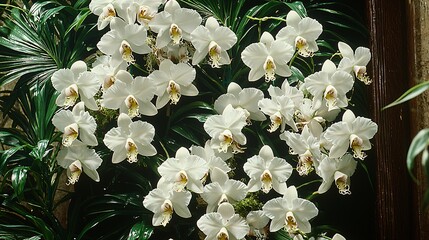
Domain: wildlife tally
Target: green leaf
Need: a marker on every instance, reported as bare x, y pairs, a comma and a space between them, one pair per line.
193, 107
140, 231
419, 143
78, 20
6, 155
186, 133
34, 238
39, 151
296, 76
19, 178
410, 94
299, 8
281, 235
425, 161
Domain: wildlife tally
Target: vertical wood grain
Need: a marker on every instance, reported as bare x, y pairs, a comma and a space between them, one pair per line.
390, 67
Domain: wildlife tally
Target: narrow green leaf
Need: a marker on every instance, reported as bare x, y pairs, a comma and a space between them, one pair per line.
34, 238
140, 231
298, 7
51, 12
410, 94
419, 143
39, 151
78, 20
6, 155
19, 178
296, 76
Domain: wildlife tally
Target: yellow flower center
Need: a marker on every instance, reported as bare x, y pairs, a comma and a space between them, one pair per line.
132, 105
360, 72
144, 15
214, 54
225, 141
132, 150
167, 212
71, 132
356, 144
73, 172
108, 82
222, 234
108, 13
270, 68
341, 182
173, 89
305, 163
276, 121
126, 52
71, 94
330, 95
267, 181
302, 46
180, 181
175, 33
290, 223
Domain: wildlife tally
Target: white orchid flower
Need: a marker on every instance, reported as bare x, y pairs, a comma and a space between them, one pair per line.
222, 189
74, 124
329, 86
225, 130
172, 81
306, 146
353, 132
123, 40
79, 158
313, 118
207, 152
141, 11
177, 53
130, 139
268, 57
106, 16
301, 33
174, 24
293, 93
75, 83
223, 224
281, 110
245, 99
355, 62
257, 221
96, 6
214, 159
290, 212
163, 201
267, 172
184, 170
213, 40
131, 96
339, 170
106, 71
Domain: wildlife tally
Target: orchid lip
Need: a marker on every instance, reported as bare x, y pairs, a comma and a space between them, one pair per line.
126, 52
175, 33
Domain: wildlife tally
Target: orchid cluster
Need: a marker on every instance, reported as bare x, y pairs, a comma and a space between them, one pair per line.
301, 113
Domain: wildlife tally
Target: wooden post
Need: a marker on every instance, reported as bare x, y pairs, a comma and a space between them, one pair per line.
388, 22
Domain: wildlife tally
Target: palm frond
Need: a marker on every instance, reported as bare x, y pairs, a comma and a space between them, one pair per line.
37, 41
